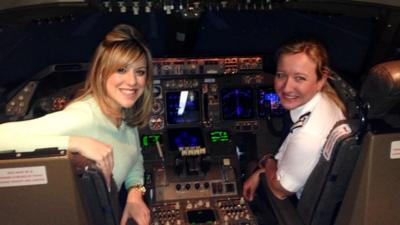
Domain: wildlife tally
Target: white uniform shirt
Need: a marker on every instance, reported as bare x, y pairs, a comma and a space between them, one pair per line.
300, 151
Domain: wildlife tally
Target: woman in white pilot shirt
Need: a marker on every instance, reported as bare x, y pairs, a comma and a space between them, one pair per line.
301, 83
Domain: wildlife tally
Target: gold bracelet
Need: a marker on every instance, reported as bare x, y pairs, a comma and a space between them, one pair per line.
139, 187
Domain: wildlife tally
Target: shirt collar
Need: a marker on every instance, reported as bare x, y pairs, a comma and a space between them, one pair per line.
296, 113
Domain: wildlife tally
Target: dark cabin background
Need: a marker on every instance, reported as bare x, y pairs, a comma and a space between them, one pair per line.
357, 35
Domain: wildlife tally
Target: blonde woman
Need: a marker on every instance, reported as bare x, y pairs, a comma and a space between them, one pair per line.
101, 123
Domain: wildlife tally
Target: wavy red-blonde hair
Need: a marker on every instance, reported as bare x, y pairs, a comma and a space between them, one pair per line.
316, 52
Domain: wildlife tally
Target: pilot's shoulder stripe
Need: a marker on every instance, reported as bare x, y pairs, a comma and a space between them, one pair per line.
301, 121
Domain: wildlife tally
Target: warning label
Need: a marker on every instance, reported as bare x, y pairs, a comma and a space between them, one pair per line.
23, 176
395, 150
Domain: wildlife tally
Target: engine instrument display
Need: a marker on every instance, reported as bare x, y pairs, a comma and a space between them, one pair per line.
185, 138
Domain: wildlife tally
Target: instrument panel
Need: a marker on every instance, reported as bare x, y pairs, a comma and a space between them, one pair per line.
210, 118
208, 122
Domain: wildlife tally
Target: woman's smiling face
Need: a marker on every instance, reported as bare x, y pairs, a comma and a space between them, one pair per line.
296, 80
127, 84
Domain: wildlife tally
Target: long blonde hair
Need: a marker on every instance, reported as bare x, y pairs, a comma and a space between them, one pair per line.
121, 47
316, 52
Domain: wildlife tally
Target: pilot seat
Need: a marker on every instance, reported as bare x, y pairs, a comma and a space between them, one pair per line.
51, 186
381, 92
373, 195
325, 189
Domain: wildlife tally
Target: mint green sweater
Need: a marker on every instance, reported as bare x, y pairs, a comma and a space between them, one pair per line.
82, 118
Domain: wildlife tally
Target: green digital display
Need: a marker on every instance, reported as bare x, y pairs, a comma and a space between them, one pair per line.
218, 136
151, 140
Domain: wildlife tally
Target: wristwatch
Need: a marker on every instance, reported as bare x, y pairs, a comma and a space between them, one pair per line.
138, 187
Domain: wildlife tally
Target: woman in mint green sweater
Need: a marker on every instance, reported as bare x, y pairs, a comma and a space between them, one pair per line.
101, 123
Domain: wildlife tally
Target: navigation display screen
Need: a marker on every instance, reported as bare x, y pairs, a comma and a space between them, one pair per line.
237, 103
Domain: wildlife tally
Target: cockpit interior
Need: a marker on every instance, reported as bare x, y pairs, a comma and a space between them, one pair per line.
215, 109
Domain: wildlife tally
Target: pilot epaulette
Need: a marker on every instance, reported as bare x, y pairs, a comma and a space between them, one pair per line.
300, 122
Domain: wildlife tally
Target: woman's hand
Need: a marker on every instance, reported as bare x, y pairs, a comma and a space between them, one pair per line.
250, 186
270, 168
95, 150
136, 209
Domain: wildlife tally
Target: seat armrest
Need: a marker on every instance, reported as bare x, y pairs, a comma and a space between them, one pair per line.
284, 210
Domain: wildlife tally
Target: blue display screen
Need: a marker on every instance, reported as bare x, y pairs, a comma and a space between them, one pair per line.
185, 138
183, 107
268, 103
237, 103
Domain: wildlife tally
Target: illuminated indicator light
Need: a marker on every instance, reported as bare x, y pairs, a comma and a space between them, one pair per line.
149, 140
219, 136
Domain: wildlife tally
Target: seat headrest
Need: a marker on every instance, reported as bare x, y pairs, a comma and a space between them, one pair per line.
381, 88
